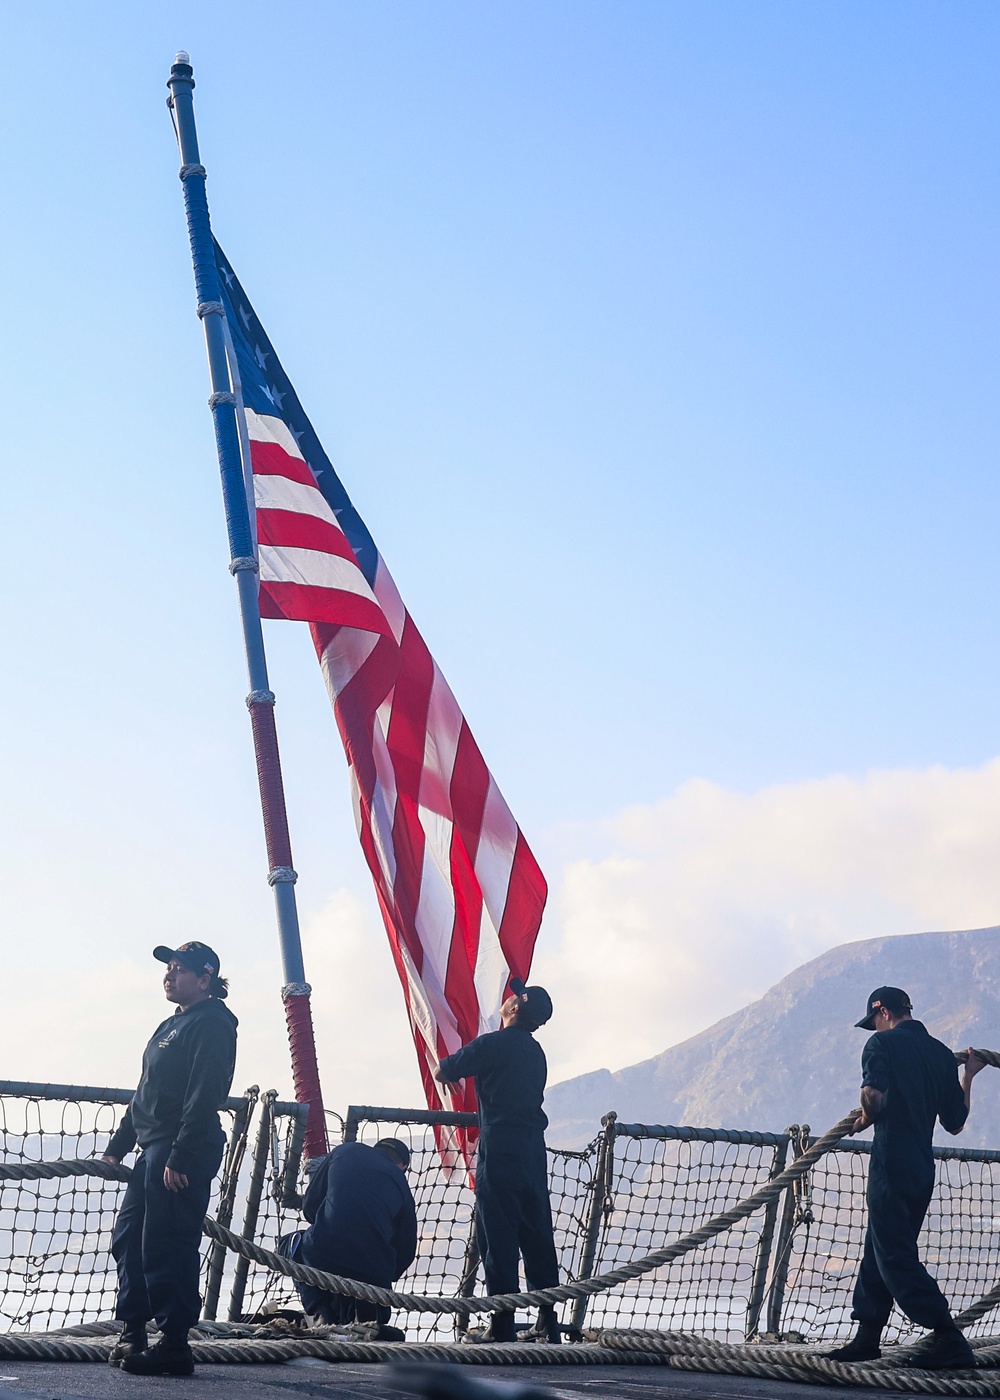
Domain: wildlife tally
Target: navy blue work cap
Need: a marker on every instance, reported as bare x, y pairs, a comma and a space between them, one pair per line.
536, 1004
894, 999
399, 1151
197, 957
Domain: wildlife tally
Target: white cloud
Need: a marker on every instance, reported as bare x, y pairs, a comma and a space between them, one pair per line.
363, 1039
90, 1025
704, 900
679, 913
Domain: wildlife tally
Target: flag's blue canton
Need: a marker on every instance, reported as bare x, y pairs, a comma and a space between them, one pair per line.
267, 390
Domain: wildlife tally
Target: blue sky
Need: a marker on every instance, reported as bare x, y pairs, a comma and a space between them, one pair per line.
655, 342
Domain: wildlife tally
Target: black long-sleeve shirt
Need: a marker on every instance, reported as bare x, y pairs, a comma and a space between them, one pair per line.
919, 1077
187, 1072
510, 1071
362, 1220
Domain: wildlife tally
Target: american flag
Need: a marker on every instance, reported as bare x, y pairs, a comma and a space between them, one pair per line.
460, 892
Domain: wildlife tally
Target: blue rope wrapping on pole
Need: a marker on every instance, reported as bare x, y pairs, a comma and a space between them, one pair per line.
209, 293
206, 274
227, 441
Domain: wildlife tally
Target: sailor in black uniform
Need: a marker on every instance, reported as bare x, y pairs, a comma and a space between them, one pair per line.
187, 1071
909, 1080
362, 1225
513, 1211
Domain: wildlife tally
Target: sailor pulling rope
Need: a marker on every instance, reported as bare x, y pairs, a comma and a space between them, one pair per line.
908, 1085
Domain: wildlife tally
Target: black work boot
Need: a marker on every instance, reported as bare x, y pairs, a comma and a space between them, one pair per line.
170, 1356
944, 1350
500, 1328
863, 1346
130, 1343
546, 1328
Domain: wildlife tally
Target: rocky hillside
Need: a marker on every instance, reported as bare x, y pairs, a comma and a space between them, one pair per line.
793, 1056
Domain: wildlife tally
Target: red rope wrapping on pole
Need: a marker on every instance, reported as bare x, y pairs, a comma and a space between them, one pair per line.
272, 791
305, 1070
298, 1012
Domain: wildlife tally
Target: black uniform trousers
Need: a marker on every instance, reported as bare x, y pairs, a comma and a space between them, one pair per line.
334, 1308
890, 1266
157, 1239
513, 1212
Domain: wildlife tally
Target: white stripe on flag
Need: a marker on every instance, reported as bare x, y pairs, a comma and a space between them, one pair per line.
384, 805
272, 492
444, 725
261, 427
495, 856
435, 915
344, 656
421, 1013
431, 1000
312, 567
490, 976
389, 600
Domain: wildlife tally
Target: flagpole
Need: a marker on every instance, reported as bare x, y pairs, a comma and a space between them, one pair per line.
243, 566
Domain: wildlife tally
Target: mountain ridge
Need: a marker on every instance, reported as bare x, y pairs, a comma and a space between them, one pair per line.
793, 1055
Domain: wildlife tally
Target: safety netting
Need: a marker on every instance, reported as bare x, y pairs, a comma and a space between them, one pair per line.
55, 1235
272, 1196
447, 1261
786, 1271
959, 1241
663, 1185
56, 1268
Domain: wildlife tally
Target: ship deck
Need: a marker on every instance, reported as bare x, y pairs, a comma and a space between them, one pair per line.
307, 1377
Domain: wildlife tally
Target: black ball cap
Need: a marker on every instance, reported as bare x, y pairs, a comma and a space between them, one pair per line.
198, 957
894, 999
395, 1149
536, 1004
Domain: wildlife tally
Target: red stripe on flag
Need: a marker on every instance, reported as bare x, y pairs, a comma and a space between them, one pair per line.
470, 782
270, 459
460, 986
303, 602
408, 726
355, 711
291, 529
522, 912
357, 701
406, 737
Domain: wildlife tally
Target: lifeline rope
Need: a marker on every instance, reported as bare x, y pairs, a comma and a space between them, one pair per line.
899, 1369
241, 1344
502, 1302
268, 1351
991, 1057
683, 1351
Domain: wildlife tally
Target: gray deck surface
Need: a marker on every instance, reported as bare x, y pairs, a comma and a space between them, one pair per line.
305, 1377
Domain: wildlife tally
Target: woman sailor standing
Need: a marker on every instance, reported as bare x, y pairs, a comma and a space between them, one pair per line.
187, 1070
